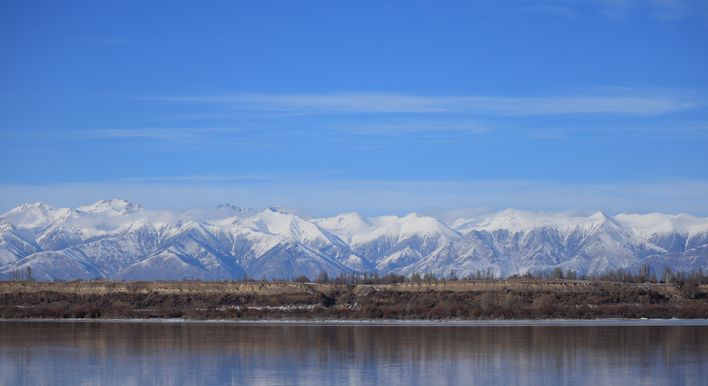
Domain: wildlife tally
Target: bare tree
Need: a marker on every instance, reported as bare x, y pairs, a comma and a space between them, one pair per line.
323, 277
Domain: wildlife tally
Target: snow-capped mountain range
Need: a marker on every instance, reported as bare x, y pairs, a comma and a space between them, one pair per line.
117, 239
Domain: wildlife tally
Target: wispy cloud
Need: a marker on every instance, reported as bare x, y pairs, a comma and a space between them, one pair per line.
662, 11
354, 137
412, 127
378, 133
196, 139
632, 104
371, 120
166, 133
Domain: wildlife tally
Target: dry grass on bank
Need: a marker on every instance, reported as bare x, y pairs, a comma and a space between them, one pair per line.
486, 299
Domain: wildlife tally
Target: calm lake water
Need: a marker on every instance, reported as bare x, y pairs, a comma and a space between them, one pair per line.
133, 353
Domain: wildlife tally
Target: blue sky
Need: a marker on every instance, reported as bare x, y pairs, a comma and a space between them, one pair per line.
376, 106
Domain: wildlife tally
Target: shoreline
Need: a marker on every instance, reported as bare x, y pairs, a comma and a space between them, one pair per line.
602, 322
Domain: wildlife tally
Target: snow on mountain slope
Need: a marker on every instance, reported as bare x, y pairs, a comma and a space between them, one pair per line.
508, 242
688, 261
392, 242
183, 261
674, 233
54, 265
289, 260
355, 229
523, 221
75, 227
604, 245
113, 207
12, 246
402, 228
288, 225
121, 240
647, 225
104, 218
468, 256
114, 253
33, 216
346, 225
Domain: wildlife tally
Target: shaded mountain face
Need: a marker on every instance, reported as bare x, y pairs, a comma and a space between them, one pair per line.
117, 239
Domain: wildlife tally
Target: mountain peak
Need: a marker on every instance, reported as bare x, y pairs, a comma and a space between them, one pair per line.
232, 207
412, 216
288, 211
655, 223
114, 206
32, 206
599, 215
32, 215
514, 212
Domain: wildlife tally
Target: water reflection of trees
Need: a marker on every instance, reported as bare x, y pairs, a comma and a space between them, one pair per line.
247, 354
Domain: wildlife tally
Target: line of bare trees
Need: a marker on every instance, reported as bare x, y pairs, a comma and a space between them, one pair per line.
644, 275
21, 274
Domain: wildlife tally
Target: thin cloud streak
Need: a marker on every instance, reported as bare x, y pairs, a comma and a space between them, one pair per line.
151, 133
372, 103
376, 133
409, 127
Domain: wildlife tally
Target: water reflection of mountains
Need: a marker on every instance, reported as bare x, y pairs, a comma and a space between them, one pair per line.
365, 354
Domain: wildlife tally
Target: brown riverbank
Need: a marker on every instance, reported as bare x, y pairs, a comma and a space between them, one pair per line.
500, 299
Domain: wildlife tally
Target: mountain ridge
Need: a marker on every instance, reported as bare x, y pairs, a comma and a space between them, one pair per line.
118, 239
